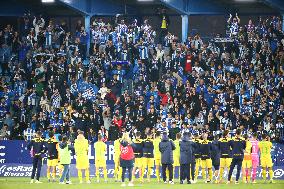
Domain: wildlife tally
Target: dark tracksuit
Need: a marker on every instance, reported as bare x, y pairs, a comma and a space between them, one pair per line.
166, 148
52, 152
186, 158
148, 148
37, 144
215, 155
196, 157
238, 145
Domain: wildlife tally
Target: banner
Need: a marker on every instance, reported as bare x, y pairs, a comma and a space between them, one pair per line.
15, 161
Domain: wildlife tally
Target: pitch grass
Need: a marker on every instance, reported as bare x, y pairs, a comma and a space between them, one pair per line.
23, 183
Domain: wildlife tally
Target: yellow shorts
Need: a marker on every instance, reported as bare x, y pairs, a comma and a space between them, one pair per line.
197, 162
176, 161
207, 163
82, 162
225, 162
266, 162
138, 162
100, 163
52, 162
247, 164
148, 162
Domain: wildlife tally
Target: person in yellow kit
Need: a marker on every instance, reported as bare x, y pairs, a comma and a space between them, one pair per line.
138, 153
197, 156
82, 160
176, 153
247, 162
117, 168
226, 154
148, 156
265, 157
206, 162
100, 158
52, 155
157, 154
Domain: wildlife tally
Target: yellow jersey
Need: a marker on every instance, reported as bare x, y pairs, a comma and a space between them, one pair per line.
156, 143
176, 152
247, 153
116, 145
81, 147
265, 149
100, 150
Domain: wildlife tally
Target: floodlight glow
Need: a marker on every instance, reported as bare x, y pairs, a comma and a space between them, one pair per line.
245, 1
47, 1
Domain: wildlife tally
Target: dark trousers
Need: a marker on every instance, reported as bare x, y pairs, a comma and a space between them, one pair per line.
170, 168
185, 172
129, 173
192, 170
235, 162
37, 162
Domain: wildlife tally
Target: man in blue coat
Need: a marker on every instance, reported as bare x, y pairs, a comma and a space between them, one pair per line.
166, 147
186, 157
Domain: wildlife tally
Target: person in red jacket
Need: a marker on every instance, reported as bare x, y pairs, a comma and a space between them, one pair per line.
126, 158
117, 121
166, 98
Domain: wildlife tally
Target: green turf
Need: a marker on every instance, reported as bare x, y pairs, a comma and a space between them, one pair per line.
23, 183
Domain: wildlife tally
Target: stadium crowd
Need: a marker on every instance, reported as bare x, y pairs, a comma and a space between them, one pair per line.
139, 79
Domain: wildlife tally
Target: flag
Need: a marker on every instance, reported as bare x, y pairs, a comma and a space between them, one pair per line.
89, 93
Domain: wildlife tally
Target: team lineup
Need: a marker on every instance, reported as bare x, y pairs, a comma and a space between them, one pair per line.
156, 152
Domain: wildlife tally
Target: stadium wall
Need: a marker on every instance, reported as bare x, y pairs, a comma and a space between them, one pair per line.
15, 161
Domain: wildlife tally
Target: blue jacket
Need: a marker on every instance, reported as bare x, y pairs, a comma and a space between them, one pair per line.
166, 148
186, 151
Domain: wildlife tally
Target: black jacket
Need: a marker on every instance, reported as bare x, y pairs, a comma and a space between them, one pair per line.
186, 151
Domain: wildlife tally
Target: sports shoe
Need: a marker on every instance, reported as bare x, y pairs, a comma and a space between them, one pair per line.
245, 181
68, 182
123, 184
38, 182
130, 184
165, 182
253, 182
208, 181
181, 182
61, 183
81, 182
194, 181
32, 181
48, 180
88, 182
98, 180
188, 182
237, 182
228, 182
171, 182
271, 181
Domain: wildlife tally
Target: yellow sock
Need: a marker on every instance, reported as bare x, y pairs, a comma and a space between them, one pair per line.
210, 173
87, 174
196, 172
48, 174
120, 173
149, 173
264, 173
80, 175
142, 173
270, 173
248, 177
116, 172
221, 173
203, 174
98, 173
105, 173
54, 174
158, 173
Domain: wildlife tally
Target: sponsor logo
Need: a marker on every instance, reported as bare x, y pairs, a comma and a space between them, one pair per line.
16, 171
